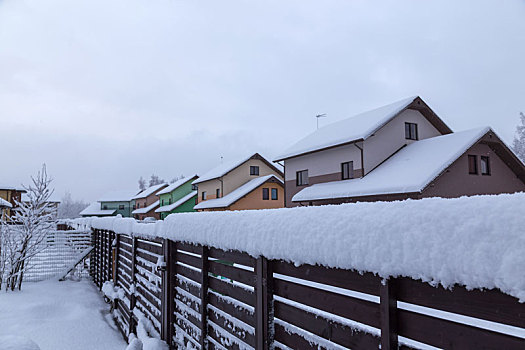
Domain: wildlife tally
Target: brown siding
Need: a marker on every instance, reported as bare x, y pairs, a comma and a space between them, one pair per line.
456, 180
291, 189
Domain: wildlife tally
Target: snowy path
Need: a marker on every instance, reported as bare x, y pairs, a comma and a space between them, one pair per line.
59, 316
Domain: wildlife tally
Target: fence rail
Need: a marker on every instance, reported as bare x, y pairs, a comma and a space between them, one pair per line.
208, 298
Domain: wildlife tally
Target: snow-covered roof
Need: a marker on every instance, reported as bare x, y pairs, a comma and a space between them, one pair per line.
172, 187
222, 169
409, 170
118, 196
148, 191
12, 188
177, 203
146, 209
25, 198
94, 210
358, 127
4, 203
236, 194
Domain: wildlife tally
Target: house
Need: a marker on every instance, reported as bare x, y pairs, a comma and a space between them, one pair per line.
178, 197
120, 201
12, 195
399, 151
146, 202
4, 206
94, 209
248, 183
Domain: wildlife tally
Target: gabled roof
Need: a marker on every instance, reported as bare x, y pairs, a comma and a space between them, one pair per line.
360, 127
150, 190
225, 168
12, 188
147, 209
94, 210
172, 187
118, 196
408, 171
5, 204
236, 194
177, 204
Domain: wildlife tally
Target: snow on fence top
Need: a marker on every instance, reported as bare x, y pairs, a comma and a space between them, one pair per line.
478, 242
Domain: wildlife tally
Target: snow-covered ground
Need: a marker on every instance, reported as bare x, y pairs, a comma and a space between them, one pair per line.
55, 316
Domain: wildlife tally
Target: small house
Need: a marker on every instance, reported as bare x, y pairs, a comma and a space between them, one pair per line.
146, 202
178, 197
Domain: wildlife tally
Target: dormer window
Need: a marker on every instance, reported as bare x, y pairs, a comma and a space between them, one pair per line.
254, 170
411, 131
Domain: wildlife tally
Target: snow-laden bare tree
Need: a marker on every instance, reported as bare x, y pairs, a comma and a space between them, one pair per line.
519, 139
70, 208
24, 236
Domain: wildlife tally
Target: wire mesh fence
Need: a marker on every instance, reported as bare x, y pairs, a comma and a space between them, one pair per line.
59, 250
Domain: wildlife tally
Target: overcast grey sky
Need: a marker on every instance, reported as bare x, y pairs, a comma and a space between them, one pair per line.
104, 91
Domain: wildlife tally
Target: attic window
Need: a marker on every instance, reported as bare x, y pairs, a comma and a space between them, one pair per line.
411, 131
254, 170
485, 165
472, 164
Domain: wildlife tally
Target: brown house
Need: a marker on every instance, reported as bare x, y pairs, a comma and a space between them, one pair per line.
395, 152
146, 202
12, 195
249, 183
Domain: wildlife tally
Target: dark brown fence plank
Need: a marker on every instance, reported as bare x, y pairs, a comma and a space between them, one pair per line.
346, 279
451, 335
231, 290
187, 247
189, 260
324, 328
229, 326
355, 309
233, 310
149, 246
490, 305
188, 287
293, 340
233, 256
233, 273
188, 273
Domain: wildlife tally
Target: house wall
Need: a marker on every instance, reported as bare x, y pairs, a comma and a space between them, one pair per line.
456, 181
234, 179
126, 212
183, 208
391, 137
253, 200
12, 196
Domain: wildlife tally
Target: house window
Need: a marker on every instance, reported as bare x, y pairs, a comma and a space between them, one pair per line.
473, 164
254, 170
203, 195
134, 206
411, 131
274, 194
194, 187
105, 207
485, 165
162, 203
347, 170
169, 201
138, 205
301, 178
121, 207
217, 193
266, 194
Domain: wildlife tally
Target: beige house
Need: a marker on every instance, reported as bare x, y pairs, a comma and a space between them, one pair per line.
399, 151
146, 202
249, 183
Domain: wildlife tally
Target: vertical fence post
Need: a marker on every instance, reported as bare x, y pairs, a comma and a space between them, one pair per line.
264, 304
116, 248
101, 258
168, 286
388, 309
204, 297
132, 299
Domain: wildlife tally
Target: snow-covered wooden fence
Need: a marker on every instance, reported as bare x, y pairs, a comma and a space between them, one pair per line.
202, 297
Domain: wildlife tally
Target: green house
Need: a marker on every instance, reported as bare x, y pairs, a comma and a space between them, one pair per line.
119, 201
179, 197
